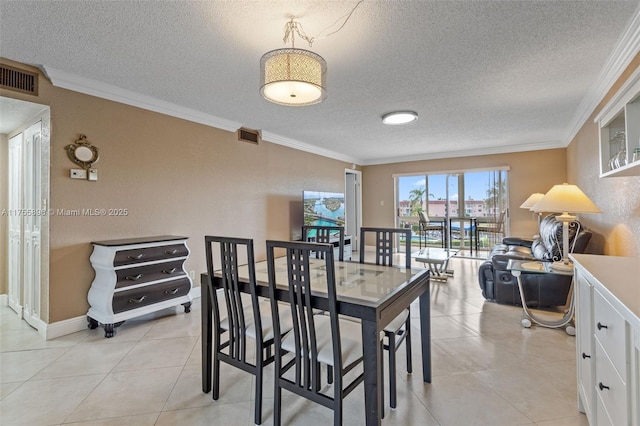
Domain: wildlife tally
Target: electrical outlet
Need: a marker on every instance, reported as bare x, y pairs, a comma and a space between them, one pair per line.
93, 174
78, 174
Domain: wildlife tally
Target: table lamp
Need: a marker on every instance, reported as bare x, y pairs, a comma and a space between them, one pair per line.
530, 202
567, 199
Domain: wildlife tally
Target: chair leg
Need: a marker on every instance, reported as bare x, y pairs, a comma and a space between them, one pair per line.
337, 407
382, 375
407, 343
392, 370
329, 374
277, 403
215, 375
259, 379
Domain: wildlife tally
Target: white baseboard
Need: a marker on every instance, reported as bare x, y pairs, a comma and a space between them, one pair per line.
73, 325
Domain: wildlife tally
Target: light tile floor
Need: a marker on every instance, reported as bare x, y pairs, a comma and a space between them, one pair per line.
487, 369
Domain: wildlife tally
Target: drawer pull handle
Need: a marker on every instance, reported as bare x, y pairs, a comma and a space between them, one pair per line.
601, 386
133, 277
138, 257
601, 326
174, 291
138, 300
169, 271
585, 355
174, 251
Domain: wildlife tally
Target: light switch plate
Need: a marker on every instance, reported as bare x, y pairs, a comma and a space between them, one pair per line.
93, 174
78, 174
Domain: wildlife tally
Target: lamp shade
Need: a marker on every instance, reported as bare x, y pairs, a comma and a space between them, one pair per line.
532, 200
293, 77
565, 198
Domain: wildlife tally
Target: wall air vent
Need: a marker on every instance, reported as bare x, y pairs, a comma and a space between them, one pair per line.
248, 135
18, 80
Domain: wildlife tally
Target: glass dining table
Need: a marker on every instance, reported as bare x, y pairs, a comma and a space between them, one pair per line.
372, 293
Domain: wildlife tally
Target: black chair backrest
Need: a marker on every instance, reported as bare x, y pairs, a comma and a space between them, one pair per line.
229, 253
299, 292
325, 235
384, 244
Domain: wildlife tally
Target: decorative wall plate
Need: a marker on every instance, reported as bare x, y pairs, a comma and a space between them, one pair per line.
82, 152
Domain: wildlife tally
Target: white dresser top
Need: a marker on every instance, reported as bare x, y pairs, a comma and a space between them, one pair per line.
620, 275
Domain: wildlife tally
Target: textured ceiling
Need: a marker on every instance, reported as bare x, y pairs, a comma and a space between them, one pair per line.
484, 76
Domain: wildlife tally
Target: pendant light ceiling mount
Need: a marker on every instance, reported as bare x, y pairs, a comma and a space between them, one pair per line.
292, 76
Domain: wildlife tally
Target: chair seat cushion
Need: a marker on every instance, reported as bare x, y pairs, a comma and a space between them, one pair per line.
350, 340
286, 323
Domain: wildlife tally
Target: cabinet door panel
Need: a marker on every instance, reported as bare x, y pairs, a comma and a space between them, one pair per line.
609, 328
584, 341
610, 388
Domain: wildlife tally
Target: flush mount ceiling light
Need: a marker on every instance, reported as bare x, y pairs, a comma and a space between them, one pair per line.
399, 117
293, 77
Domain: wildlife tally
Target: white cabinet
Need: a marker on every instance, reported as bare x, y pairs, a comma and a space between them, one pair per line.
619, 124
137, 276
608, 338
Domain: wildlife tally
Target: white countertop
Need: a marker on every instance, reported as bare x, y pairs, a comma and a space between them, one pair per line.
620, 275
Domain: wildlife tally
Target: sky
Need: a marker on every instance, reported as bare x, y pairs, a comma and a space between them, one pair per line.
476, 185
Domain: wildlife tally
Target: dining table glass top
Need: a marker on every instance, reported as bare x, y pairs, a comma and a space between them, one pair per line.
355, 282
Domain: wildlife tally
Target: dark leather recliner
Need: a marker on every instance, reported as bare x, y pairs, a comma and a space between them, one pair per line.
499, 285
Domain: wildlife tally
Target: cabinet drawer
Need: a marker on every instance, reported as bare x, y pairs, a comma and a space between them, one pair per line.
148, 295
148, 273
148, 254
609, 328
610, 388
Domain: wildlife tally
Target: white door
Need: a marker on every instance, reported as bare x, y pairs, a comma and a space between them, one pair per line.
353, 206
32, 218
15, 224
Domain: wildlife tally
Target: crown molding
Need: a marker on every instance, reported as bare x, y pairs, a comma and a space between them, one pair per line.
520, 147
625, 50
113, 93
301, 146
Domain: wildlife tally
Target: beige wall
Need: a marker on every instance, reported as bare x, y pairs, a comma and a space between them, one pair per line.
178, 177
532, 171
173, 177
4, 219
618, 227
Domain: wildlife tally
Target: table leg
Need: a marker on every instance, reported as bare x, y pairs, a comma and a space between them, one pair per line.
372, 373
425, 333
529, 316
205, 303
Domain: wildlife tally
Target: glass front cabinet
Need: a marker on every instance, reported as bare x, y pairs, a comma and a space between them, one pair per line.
619, 124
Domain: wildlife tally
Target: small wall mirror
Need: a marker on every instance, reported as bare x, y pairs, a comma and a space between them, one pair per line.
82, 152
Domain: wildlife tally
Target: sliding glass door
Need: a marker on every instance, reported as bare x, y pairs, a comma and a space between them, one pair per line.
470, 205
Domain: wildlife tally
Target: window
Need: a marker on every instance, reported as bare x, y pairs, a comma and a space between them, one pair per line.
444, 196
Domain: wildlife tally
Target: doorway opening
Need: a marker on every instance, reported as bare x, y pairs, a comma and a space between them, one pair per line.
25, 180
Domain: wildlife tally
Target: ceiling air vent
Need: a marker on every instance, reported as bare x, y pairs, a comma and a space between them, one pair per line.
18, 80
248, 135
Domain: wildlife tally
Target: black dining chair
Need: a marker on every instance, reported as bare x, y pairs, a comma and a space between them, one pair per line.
316, 338
325, 235
398, 330
243, 321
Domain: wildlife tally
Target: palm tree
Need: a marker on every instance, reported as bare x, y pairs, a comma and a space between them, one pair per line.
415, 196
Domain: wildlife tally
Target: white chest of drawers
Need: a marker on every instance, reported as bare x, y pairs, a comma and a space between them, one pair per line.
608, 338
135, 277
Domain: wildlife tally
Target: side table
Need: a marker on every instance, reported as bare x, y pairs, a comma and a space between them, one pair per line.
517, 267
438, 261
